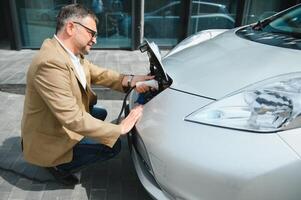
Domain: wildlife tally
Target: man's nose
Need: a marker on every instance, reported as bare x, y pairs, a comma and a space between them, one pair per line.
94, 40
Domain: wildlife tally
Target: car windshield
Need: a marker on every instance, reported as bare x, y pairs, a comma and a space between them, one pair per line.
281, 30
287, 23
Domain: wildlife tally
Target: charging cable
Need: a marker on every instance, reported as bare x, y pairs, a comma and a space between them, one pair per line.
124, 104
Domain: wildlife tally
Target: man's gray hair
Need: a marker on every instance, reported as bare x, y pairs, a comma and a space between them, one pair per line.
75, 11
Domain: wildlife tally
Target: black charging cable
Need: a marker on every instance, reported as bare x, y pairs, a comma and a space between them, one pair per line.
124, 104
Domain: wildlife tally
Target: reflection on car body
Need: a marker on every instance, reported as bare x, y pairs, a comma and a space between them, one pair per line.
227, 126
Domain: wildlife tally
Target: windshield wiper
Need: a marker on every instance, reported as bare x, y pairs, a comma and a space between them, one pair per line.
261, 24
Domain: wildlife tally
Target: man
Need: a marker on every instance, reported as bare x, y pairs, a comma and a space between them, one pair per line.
58, 131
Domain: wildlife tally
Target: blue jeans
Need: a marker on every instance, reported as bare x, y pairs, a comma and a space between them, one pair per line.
88, 151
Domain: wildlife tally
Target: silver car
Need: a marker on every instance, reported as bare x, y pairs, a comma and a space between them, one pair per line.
225, 122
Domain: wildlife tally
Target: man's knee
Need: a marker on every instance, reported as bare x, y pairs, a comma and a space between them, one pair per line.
117, 147
104, 113
99, 113
111, 152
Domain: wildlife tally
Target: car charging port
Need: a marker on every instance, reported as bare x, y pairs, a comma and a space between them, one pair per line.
162, 79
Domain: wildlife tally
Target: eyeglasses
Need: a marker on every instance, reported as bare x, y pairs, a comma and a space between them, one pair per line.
93, 33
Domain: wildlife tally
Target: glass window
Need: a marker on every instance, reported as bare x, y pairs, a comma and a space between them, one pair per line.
256, 10
169, 10
115, 22
212, 15
288, 24
198, 8
37, 20
162, 21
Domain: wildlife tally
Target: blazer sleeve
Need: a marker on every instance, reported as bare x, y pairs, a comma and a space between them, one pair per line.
105, 77
52, 82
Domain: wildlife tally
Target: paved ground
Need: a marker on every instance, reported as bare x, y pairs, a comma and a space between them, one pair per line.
115, 179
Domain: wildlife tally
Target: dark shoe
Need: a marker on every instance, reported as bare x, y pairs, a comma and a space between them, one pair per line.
63, 177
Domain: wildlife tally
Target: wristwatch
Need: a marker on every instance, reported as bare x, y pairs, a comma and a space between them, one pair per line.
130, 78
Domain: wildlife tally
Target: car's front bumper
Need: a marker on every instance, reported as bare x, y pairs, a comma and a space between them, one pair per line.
144, 170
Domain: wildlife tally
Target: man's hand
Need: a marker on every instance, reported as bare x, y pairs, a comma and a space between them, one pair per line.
138, 78
128, 123
142, 87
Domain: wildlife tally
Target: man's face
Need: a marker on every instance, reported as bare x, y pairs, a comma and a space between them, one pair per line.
86, 34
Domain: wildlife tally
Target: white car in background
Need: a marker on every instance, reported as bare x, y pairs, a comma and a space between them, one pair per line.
225, 123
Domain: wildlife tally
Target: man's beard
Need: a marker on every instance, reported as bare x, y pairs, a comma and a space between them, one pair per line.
85, 51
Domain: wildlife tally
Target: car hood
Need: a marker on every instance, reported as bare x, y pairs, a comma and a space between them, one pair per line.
227, 63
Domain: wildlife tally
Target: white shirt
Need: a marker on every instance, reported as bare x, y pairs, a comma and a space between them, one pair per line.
76, 62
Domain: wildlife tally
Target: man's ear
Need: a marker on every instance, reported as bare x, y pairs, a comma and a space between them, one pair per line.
70, 28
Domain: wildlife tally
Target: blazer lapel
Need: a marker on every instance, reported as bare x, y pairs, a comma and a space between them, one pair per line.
88, 92
91, 94
76, 75
67, 58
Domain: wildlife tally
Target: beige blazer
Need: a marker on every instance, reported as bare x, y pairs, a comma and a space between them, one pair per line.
56, 108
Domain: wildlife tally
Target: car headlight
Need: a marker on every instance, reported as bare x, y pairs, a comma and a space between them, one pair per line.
268, 106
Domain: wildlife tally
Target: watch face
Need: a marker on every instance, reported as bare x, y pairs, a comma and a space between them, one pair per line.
130, 77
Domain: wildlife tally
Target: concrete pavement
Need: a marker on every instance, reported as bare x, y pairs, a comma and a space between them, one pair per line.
111, 180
